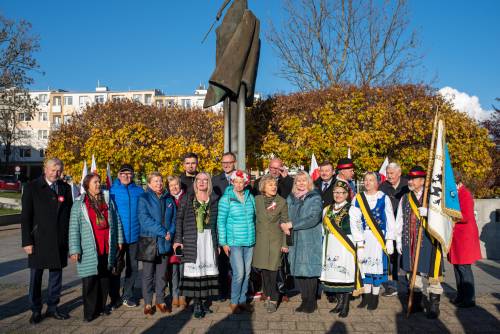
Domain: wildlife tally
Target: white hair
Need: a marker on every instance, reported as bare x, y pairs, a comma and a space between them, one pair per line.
394, 165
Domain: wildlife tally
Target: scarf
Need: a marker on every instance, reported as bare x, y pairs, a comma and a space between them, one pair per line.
300, 194
99, 206
201, 210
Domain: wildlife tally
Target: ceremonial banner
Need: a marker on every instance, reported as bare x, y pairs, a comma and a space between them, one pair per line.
444, 206
383, 170
313, 168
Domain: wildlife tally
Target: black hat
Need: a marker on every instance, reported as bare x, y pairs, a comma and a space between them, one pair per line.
345, 163
416, 172
126, 168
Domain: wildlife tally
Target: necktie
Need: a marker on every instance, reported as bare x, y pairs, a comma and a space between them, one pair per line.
325, 185
53, 187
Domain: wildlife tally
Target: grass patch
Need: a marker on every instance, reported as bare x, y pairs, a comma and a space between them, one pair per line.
4, 212
10, 194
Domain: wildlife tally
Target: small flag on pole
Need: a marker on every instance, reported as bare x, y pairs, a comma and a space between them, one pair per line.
349, 152
109, 180
93, 167
383, 170
84, 173
314, 169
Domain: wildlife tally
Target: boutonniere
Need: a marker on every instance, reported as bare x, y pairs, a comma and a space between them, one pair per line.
60, 199
272, 206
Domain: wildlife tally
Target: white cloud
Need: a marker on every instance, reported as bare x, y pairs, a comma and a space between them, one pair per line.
465, 103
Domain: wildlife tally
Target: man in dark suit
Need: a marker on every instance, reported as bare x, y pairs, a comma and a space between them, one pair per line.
325, 182
190, 164
221, 181
219, 185
46, 207
280, 173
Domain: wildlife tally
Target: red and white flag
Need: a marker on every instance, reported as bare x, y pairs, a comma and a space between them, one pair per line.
109, 180
93, 167
383, 170
84, 173
314, 169
349, 152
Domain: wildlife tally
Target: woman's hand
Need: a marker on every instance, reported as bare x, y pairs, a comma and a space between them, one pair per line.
120, 247
75, 257
177, 244
285, 228
284, 249
227, 250
167, 237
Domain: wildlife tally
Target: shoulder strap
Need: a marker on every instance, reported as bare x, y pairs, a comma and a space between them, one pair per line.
370, 221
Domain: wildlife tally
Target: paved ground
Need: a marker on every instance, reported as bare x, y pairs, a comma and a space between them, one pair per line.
389, 318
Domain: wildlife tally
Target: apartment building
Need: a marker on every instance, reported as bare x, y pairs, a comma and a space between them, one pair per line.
56, 107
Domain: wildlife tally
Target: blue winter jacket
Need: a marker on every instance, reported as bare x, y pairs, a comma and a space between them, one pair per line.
236, 220
125, 198
152, 223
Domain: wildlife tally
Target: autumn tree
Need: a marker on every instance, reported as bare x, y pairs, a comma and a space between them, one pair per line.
392, 121
148, 137
327, 42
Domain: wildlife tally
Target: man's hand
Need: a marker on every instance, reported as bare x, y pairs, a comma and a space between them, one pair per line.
423, 211
227, 249
283, 172
75, 257
28, 249
167, 237
177, 244
284, 249
120, 247
399, 247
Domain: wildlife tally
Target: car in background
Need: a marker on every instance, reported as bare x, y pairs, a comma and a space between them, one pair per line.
9, 183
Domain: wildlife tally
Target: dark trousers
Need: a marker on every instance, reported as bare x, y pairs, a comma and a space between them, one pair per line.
223, 265
307, 287
95, 289
269, 284
465, 283
154, 279
131, 270
394, 260
54, 289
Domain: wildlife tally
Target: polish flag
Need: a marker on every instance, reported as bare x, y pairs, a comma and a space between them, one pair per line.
349, 152
383, 168
93, 167
84, 173
314, 169
109, 180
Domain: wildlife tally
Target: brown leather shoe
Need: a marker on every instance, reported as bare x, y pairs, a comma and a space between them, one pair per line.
148, 309
182, 302
163, 308
234, 308
175, 302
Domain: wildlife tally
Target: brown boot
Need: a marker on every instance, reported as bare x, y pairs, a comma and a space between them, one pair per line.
163, 308
182, 302
175, 302
148, 309
234, 308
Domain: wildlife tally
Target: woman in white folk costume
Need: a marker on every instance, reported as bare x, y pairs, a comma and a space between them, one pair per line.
339, 273
372, 226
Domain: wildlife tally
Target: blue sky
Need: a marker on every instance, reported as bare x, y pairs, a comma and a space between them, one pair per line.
156, 44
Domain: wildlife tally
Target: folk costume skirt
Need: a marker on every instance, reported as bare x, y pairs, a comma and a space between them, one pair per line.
201, 279
338, 268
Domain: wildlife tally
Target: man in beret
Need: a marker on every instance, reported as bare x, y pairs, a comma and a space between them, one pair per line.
345, 172
430, 266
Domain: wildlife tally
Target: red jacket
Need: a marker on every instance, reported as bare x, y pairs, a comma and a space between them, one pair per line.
465, 243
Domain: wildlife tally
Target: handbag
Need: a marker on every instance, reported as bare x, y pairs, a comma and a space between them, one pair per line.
284, 280
147, 249
119, 263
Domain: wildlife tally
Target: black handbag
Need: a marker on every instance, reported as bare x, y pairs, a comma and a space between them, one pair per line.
147, 249
284, 280
119, 263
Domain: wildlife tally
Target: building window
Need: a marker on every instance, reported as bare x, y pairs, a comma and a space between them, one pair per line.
66, 119
117, 98
186, 103
43, 134
147, 99
25, 152
68, 100
137, 97
42, 153
170, 103
42, 98
83, 100
99, 99
159, 103
56, 101
24, 117
43, 117
57, 120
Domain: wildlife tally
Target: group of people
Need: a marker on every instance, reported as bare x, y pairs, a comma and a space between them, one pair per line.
202, 236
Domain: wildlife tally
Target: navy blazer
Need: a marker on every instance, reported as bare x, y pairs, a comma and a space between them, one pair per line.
152, 223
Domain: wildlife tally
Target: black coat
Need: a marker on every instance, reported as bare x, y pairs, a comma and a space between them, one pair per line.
219, 184
395, 194
45, 223
187, 183
186, 232
285, 185
327, 195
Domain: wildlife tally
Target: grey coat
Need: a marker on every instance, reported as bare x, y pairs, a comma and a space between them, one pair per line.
305, 254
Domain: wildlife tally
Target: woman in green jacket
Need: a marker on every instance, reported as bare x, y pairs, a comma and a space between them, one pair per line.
271, 210
95, 233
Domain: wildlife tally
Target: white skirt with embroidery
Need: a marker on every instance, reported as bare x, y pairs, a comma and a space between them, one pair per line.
372, 263
337, 262
206, 264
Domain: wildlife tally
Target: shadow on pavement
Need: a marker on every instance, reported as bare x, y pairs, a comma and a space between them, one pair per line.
489, 269
9, 267
337, 327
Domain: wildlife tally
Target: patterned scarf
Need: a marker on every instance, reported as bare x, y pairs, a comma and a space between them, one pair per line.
201, 211
99, 206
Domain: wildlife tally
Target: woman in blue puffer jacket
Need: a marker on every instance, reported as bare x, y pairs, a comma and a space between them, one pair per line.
156, 212
236, 229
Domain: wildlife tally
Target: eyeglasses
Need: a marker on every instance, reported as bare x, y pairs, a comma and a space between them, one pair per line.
340, 192
228, 162
202, 180
126, 174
